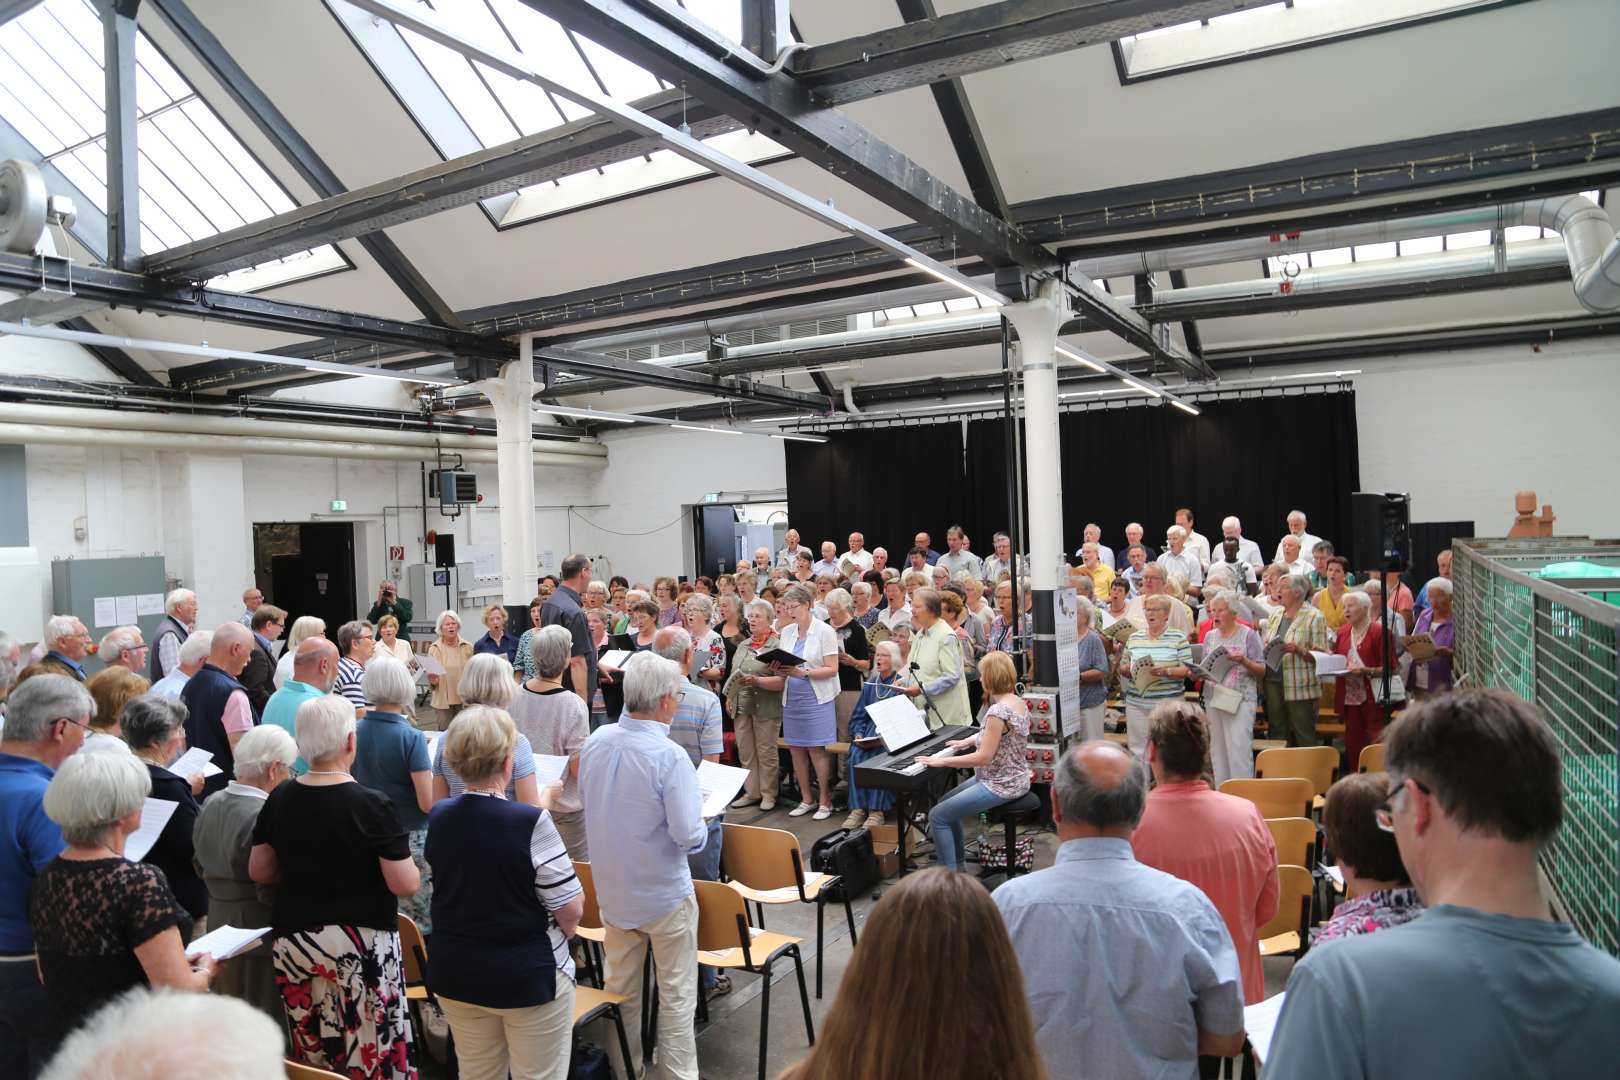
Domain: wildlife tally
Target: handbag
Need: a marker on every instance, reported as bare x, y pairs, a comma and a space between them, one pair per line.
848, 855
1225, 698
1397, 689
993, 853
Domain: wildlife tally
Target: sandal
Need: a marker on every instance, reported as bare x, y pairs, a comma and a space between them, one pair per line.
721, 987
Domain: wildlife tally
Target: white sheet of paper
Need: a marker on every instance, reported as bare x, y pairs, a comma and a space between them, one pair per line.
615, 657
429, 665
195, 760
225, 941
549, 767
149, 603
1331, 664
154, 815
106, 611
791, 892
720, 784
1336, 874
433, 738
125, 607
1260, 1020
898, 722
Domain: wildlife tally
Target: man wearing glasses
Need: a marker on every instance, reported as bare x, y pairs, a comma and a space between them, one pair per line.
258, 678
122, 647
67, 642
1486, 983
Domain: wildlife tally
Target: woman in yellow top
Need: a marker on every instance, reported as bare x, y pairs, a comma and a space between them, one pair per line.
937, 653
452, 652
1330, 600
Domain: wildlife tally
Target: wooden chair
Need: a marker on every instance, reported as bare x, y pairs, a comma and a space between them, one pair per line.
1288, 931
1372, 758
767, 867
590, 1003
1314, 763
1277, 798
590, 929
725, 940
295, 1071
1296, 840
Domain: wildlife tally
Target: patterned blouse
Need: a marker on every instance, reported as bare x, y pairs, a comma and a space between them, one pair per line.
1007, 773
1378, 910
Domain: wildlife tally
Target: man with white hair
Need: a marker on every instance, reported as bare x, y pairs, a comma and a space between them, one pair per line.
1001, 559
857, 552
1155, 582
1093, 535
122, 647
828, 563
1296, 529
46, 721
252, 598
762, 568
171, 1035
67, 643
643, 818
218, 711
880, 559
1288, 553
1247, 550
180, 616
1177, 558
10, 665
1133, 535
192, 654
788, 556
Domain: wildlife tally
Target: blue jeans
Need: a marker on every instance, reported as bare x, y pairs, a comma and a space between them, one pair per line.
705, 866
966, 800
24, 1046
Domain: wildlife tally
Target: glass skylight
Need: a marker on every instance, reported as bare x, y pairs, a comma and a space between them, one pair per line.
496, 108
1270, 28
196, 178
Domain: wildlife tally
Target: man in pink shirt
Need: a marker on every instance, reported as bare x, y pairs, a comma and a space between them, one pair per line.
1219, 843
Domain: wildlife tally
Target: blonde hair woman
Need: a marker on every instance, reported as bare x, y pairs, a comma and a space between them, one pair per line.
488, 680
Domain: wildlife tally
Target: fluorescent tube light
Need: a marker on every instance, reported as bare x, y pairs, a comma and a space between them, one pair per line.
1136, 384
696, 427
1079, 358
1191, 410
957, 280
801, 438
588, 414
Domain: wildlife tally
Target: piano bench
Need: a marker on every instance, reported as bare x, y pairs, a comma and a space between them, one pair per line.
1010, 815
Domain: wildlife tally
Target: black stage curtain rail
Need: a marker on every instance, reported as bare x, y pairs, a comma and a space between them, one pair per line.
1257, 458
887, 483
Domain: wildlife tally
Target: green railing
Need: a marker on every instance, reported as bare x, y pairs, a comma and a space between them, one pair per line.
1553, 643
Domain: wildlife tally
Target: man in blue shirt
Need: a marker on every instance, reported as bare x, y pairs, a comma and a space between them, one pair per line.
643, 818
46, 721
314, 671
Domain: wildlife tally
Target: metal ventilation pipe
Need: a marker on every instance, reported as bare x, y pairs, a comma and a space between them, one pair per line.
1594, 251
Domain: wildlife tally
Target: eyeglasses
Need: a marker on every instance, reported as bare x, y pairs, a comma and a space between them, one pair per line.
69, 720
1384, 812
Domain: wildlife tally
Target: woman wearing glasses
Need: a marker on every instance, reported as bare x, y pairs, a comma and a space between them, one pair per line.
1356, 821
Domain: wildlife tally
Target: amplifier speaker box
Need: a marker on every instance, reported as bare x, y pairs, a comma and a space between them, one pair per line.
1380, 530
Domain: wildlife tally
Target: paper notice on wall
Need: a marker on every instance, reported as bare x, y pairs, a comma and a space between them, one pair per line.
149, 603
106, 611
126, 610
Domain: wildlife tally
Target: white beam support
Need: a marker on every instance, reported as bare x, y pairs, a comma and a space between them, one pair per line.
512, 395
1037, 322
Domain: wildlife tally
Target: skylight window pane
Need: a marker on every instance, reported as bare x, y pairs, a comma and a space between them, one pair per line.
1248, 13
48, 92
245, 164
1375, 252
962, 303
1515, 233
81, 177
184, 175
170, 81
221, 174
895, 314
65, 51
525, 102
20, 116
722, 15
80, 20
1460, 241
1173, 28
465, 90
162, 190
545, 43
624, 80
1330, 257
1426, 245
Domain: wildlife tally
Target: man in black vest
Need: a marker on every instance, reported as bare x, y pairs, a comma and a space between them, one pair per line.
180, 616
219, 711
562, 608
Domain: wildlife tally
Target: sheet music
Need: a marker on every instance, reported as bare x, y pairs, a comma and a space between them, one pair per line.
1260, 1020
614, 657
898, 722
154, 815
549, 767
195, 760
1331, 664
1274, 653
226, 941
720, 784
1335, 873
428, 664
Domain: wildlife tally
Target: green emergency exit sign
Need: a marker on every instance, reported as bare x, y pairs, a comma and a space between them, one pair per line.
339, 505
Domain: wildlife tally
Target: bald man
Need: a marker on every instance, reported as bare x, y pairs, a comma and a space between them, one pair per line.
219, 712
315, 667
1105, 942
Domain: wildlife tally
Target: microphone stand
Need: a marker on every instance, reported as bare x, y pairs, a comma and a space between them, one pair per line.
927, 699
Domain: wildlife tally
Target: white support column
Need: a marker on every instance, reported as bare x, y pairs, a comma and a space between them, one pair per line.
512, 395
1037, 322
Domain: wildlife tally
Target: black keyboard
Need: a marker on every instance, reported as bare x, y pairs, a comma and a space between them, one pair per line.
899, 771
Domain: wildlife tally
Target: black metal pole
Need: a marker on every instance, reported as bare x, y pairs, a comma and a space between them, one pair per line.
1010, 445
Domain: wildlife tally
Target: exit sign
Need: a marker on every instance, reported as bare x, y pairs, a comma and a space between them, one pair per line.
712, 497
339, 506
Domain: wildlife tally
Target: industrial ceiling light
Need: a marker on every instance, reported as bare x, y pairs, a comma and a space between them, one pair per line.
1191, 410
1138, 384
800, 438
960, 282
117, 341
589, 414
1079, 358
712, 430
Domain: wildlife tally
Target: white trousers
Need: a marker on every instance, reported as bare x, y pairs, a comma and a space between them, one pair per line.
673, 940
1231, 743
1136, 727
533, 1043
1091, 721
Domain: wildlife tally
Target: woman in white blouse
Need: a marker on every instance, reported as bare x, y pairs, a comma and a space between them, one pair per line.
809, 714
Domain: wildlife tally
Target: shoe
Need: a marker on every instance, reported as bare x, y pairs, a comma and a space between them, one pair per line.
745, 801
767, 804
822, 813
800, 810
856, 817
874, 819
721, 987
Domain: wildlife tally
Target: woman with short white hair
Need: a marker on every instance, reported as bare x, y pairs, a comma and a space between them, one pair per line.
708, 666
867, 807
809, 713
391, 756
556, 723
488, 680
1231, 701
1293, 690
1360, 640
754, 697
101, 923
1434, 675
339, 858
223, 842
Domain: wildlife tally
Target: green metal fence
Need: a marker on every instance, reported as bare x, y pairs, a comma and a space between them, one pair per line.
1555, 646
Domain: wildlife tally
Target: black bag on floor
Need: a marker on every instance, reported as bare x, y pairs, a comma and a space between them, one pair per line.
848, 854
589, 1062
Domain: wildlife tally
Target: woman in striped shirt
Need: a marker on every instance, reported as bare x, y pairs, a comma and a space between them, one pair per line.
1167, 653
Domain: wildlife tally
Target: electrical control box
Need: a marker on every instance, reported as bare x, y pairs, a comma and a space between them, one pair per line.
1045, 743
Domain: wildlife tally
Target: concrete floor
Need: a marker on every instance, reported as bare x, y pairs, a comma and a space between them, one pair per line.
728, 1044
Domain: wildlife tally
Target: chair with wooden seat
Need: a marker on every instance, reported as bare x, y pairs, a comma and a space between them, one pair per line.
296, 1071
725, 940
1287, 934
1314, 763
591, 1003
1296, 840
1372, 758
767, 867
590, 929
1278, 798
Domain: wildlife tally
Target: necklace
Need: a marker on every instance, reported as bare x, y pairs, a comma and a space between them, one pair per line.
327, 772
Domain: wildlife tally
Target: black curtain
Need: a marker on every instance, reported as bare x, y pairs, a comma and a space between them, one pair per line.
1257, 458
886, 483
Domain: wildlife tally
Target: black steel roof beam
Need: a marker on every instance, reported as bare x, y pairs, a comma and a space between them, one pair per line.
123, 184
670, 378
10, 9
577, 146
980, 38
299, 153
766, 28
117, 361
783, 110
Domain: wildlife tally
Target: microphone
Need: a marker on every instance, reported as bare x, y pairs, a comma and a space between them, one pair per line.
914, 665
